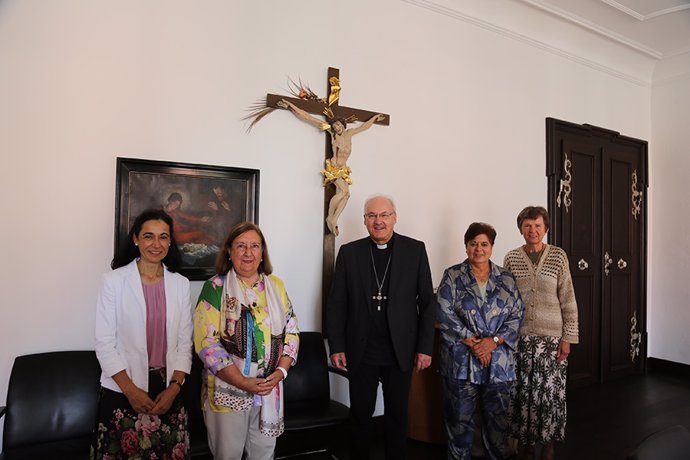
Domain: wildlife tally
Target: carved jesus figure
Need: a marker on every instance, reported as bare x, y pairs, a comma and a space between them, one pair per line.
336, 170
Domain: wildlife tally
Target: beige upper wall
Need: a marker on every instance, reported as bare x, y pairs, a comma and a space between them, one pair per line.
85, 82
669, 253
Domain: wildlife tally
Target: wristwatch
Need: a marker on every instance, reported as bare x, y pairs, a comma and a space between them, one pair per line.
177, 382
497, 341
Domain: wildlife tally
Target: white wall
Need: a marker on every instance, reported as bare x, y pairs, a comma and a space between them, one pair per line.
669, 255
84, 82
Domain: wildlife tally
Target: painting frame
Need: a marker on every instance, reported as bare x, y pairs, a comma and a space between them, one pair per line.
205, 201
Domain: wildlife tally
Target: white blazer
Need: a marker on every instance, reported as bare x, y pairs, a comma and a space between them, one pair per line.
121, 326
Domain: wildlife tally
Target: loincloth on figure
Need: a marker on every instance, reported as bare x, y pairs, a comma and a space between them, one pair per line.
333, 173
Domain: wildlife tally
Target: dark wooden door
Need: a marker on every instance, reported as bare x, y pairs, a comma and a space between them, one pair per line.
580, 237
624, 258
593, 175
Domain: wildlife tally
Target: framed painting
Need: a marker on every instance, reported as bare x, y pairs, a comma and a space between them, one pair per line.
204, 202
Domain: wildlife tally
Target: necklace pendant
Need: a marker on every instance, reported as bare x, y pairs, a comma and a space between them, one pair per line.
379, 285
379, 297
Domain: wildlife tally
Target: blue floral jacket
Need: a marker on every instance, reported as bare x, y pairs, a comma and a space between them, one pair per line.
463, 313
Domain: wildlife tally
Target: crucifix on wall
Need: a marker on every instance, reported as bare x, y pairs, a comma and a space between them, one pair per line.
304, 105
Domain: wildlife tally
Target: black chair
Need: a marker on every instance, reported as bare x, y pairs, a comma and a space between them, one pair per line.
51, 406
313, 421
191, 392
671, 443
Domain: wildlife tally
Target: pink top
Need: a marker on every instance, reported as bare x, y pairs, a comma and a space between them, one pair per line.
156, 343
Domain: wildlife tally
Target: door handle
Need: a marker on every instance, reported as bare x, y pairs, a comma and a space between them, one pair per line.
622, 264
582, 265
635, 338
607, 263
636, 196
563, 196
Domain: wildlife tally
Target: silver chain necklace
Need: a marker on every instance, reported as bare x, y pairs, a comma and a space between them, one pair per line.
378, 296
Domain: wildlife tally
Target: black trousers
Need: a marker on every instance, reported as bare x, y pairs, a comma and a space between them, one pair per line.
363, 388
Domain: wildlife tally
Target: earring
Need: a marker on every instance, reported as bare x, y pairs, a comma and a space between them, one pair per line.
136, 244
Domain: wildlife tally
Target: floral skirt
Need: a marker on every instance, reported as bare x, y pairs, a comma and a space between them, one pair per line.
123, 434
538, 412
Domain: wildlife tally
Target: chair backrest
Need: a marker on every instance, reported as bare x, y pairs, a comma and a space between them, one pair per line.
191, 394
308, 379
51, 396
671, 443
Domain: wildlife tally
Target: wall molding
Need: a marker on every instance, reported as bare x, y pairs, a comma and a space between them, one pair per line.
458, 15
679, 52
644, 17
596, 28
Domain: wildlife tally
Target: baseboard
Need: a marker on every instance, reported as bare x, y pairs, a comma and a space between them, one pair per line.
671, 368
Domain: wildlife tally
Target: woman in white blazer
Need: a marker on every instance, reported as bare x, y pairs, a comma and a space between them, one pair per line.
144, 346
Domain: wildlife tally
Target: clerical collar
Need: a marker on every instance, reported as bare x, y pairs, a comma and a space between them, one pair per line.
386, 245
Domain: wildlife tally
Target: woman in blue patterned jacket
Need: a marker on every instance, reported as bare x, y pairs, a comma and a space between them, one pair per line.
479, 315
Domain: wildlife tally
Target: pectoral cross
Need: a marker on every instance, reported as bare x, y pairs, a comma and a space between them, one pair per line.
379, 297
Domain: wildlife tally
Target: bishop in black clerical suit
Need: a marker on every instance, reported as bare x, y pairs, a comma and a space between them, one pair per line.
380, 324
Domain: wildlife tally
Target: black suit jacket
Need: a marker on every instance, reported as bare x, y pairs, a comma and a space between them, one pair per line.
411, 303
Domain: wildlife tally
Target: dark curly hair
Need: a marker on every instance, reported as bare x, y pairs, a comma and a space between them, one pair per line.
127, 251
340, 120
480, 228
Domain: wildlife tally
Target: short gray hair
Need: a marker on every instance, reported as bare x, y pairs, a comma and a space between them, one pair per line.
373, 197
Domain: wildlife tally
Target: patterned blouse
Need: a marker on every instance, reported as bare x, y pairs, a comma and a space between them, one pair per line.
207, 342
463, 314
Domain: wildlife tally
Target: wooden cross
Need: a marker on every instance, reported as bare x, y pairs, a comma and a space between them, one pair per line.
317, 108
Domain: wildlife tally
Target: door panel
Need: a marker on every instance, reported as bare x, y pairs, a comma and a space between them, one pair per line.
582, 243
621, 237
583, 363
617, 361
605, 240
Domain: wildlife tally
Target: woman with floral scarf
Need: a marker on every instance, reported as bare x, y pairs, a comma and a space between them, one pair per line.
245, 332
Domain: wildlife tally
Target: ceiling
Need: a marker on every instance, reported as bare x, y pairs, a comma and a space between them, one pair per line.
659, 28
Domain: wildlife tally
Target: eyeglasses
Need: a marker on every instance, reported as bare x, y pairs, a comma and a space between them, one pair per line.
381, 215
242, 247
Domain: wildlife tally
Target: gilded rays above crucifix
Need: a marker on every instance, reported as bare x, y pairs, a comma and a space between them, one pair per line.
304, 104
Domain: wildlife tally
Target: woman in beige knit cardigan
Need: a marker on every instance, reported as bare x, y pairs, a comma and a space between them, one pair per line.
548, 329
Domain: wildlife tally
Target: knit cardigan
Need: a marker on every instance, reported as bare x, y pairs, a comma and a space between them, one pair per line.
547, 292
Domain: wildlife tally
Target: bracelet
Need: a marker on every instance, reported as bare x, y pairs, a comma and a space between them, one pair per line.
176, 382
283, 370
